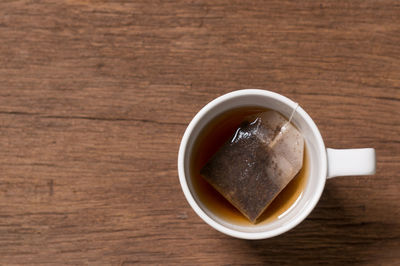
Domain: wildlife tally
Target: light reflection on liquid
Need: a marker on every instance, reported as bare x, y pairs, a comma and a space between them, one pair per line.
291, 207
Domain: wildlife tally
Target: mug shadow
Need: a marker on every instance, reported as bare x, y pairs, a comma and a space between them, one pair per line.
335, 233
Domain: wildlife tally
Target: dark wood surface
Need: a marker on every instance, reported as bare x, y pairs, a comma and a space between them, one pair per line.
95, 97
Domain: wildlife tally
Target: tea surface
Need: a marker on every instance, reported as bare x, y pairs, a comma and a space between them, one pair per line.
212, 137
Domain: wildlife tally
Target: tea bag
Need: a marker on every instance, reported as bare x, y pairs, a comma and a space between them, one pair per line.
260, 159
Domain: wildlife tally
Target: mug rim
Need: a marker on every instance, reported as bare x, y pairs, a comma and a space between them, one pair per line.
202, 214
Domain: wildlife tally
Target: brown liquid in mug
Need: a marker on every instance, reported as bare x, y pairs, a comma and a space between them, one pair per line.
210, 139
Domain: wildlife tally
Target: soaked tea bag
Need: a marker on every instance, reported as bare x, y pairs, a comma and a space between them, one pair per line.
260, 159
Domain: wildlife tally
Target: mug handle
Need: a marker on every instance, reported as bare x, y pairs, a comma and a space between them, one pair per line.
347, 162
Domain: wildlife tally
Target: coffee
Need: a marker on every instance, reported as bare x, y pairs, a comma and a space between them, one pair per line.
211, 138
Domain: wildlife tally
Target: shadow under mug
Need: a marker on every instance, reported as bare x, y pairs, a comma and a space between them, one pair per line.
324, 163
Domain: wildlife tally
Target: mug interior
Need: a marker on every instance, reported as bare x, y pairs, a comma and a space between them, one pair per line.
315, 152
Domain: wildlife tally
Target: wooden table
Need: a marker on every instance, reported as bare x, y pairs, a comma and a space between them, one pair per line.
95, 97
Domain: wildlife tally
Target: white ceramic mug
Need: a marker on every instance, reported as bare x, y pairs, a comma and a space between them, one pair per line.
324, 163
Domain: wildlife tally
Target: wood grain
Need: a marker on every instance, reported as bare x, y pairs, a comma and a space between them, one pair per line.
95, 96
